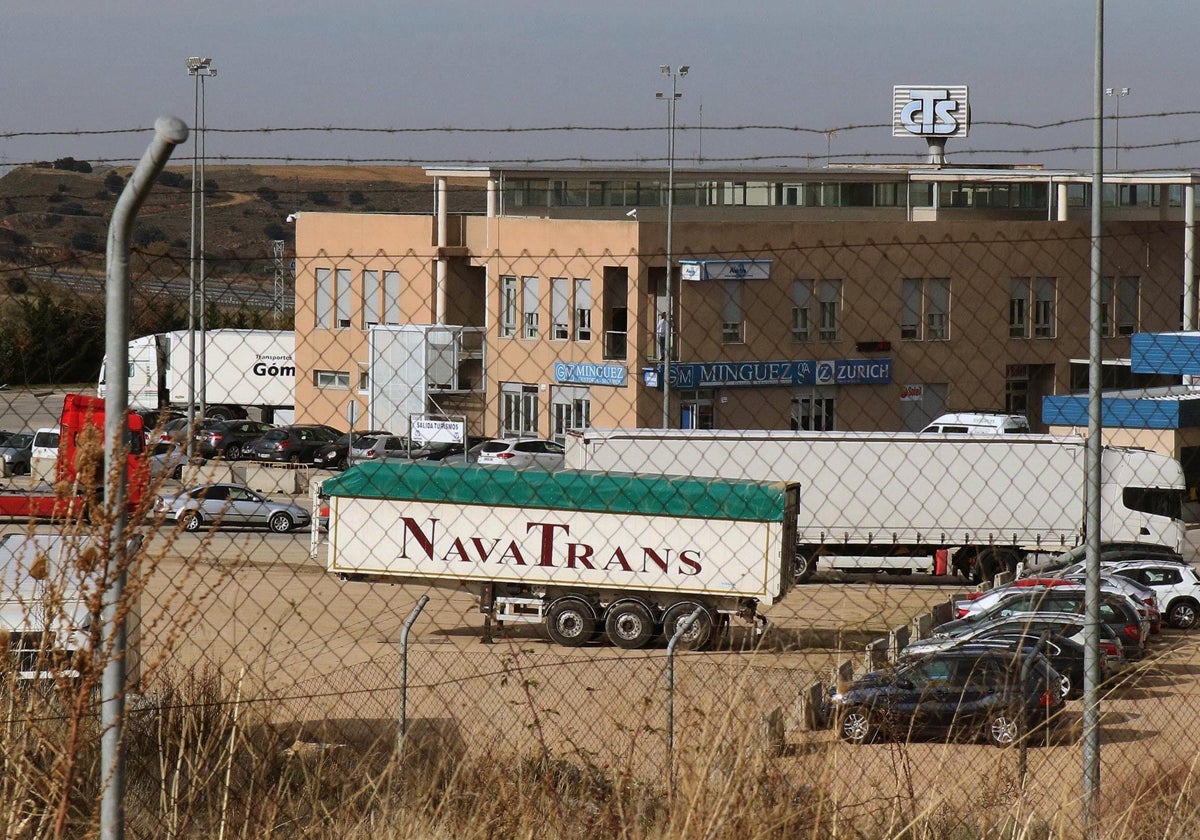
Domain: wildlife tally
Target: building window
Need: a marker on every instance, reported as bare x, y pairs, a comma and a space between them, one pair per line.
370, 312
529, 307
1127, 305
813, 412
583, 309
1032, 302
341, 304
1045, 292
925, 308
802, 296
324, 302
571, 408
1018, 308
508, 306
331, 379
829, 299
364, 377
732, 316
391, 297
518, 410
560, 307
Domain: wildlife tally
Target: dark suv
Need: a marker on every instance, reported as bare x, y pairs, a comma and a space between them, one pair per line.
228, 438
293, 444
970, 690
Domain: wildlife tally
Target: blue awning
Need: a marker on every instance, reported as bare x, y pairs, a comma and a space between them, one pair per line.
1152, 408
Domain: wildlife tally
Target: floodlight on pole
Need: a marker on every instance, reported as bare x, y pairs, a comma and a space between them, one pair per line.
667, 346
200, 69
1117, 94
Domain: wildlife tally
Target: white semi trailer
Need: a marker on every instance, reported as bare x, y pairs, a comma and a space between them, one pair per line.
586, 554
244, 369
905, 502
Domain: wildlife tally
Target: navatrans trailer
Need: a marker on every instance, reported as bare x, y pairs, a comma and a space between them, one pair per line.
903, 502
585, 553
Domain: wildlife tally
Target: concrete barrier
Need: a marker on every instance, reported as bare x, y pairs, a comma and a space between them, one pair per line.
193, 474
278, 478
921, 627
897, 640
42, 470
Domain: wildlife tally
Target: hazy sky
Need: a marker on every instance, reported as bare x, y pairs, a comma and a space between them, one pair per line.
104, 65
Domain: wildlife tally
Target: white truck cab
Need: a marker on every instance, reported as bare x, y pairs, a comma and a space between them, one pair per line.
978, 423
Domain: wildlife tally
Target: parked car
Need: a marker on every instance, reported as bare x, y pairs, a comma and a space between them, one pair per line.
1138, 591
470, 456
442, 451
1108, 551
520, 453
978, 423
16, 454
292, 444
230, 504
334, 456
45, 443
967, 690
1176, 585
382, 447
169, 463
227, 438
1064, 655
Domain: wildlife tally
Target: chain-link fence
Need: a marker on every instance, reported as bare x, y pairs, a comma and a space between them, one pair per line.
794, 504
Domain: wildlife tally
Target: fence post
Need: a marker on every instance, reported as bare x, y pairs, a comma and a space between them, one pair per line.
402, 727
169, 132
681, 628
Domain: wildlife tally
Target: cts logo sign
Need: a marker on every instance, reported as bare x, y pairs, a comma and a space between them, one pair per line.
930, 111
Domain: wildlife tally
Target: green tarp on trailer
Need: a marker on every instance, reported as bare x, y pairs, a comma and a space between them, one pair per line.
649, 495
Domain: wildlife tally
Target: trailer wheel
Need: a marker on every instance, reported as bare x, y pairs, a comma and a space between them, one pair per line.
698, 635
803, 564
629, 624
570, 622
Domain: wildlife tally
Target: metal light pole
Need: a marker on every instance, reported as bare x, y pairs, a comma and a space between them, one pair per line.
199, 69
675, 95
1117, 93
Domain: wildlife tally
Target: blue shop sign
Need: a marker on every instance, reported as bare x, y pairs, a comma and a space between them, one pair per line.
590, 373
785, 372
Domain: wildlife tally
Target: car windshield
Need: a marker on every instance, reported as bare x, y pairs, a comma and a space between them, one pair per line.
18, 441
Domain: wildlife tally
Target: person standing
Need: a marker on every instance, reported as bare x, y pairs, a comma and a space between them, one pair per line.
661, 332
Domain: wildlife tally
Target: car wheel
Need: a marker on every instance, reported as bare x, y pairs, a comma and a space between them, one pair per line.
343, 464
698, 635
1182, 614
293, 459
280, 522
191, 521
570, 622
1003, 729
233, 452
1067, 684
856, 726
629, 625
803, 564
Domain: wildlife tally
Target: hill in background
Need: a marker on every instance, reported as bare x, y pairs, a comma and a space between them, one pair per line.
53, 217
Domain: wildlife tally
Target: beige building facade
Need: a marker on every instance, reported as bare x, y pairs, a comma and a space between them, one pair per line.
865, 299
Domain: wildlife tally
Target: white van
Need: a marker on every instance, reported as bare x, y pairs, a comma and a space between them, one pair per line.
43, 458
978, 423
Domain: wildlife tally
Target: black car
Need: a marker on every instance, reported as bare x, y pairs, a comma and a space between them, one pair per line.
442, 451
966, 691
228, 438
333, 456
1064, 655
291, 444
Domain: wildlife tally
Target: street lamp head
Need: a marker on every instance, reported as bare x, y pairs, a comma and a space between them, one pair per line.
664, 68
198, 66
683, 71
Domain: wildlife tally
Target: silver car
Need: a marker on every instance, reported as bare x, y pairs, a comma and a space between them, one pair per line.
16, 453
230, 504
520, 453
